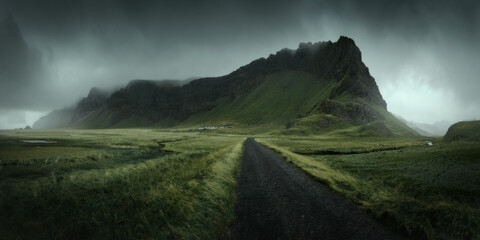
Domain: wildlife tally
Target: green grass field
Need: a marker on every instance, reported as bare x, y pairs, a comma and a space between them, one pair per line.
117, 184
180, 184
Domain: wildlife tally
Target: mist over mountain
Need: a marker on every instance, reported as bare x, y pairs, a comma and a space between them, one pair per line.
20, 64
423, 54
436, 129
324, 81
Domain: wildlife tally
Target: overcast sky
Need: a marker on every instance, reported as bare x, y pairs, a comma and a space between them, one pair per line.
424, 55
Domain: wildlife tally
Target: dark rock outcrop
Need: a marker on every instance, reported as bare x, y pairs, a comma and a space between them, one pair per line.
356, 113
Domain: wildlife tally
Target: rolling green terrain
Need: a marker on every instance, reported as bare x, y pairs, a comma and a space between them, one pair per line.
180, 184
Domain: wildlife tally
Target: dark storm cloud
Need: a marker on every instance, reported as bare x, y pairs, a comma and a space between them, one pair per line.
167, 21
21, 66
66, 47
103, 43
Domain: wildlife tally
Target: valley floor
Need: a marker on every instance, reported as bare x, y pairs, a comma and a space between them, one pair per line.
182, 184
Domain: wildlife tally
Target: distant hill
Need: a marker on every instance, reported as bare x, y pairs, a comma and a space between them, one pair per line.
469, 130
437, 129
317, 88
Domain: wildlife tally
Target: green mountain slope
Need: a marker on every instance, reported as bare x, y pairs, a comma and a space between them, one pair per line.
317, 88
280, 98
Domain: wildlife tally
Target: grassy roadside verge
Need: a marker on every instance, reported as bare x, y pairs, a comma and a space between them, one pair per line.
430, 192
118, 185
212, 212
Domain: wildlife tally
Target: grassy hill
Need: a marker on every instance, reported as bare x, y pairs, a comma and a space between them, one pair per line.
468, 131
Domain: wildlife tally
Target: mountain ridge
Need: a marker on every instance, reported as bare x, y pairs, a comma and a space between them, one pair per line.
323, 79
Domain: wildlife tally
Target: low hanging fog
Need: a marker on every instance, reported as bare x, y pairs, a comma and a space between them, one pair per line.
424, 55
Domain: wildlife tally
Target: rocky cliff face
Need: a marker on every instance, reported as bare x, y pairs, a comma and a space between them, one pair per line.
95, 99
340, 61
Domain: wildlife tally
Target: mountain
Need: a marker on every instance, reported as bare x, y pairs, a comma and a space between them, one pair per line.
319, 87
439, 128
442, 126
468, 131
59, 118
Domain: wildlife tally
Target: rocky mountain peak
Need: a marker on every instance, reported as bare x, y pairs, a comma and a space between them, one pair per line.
349, 48
96, 93
335, 68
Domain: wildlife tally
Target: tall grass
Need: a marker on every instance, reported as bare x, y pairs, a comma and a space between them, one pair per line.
118, 184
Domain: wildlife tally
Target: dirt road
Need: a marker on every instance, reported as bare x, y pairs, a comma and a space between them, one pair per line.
276, 200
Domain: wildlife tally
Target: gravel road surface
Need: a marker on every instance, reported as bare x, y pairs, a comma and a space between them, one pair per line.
276, 200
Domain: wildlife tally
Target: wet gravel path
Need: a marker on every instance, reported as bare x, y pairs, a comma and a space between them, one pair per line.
276, 200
